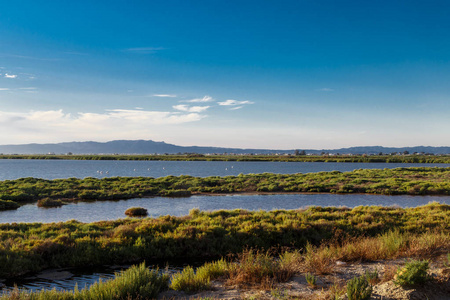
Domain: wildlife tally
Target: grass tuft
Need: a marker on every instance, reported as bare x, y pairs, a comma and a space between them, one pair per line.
358, 288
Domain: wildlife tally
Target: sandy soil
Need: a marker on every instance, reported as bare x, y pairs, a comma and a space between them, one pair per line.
438, 288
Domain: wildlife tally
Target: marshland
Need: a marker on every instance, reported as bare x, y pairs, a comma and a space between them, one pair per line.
250, 251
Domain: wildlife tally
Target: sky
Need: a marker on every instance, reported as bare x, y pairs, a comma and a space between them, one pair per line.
250, 74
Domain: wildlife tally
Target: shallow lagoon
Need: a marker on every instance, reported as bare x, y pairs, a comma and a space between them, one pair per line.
52, 169
158, 206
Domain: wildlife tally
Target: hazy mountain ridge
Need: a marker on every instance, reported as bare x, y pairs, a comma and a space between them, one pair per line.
152, 147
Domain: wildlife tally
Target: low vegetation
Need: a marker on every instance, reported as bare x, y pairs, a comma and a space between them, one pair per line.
386, 158
138, 282
48, 202
412, 273
8, 204
136, 212
326, 234
411, 181
264, 269
359, 288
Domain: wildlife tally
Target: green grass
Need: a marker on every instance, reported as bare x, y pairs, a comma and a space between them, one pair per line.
370, 232
411, 181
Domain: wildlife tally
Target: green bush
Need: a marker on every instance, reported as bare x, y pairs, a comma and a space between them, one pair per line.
412, 273
8, 204
47, 202
358, 288
136, 212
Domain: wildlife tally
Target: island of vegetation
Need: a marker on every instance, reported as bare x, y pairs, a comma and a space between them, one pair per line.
412, 181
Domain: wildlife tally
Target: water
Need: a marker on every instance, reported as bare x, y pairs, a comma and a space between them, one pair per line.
159, 206
52, 169
85, 277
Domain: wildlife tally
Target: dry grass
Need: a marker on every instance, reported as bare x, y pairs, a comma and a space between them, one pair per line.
318, 260
255, 268
428, 245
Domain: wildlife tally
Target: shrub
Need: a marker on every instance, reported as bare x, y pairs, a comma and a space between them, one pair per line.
358, 288
412, 273
48, 202
8, 204
136, 212
188, 281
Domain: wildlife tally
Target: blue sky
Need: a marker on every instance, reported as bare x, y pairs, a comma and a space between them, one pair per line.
251, 74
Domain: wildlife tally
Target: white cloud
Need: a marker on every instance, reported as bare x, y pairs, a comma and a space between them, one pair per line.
4, 89
196, 109
200, 100
236, 107
28, 88
10, 76
164, 95
325, 90
110, 124
235, 102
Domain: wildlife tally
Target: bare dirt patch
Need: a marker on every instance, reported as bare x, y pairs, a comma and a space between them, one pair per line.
332, 286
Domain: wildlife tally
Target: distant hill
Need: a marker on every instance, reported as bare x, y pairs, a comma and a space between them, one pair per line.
151, 147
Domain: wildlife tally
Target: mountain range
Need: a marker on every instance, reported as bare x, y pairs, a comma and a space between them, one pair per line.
152, 147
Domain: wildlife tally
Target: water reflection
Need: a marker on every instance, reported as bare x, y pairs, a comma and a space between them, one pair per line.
158, 206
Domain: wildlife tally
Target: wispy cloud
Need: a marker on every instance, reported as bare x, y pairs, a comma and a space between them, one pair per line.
236, 107
234, 102
200, 100
164, 95
196, 109
145, 50
28, 88
4, 89
10, 76
28, 57
325, 90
